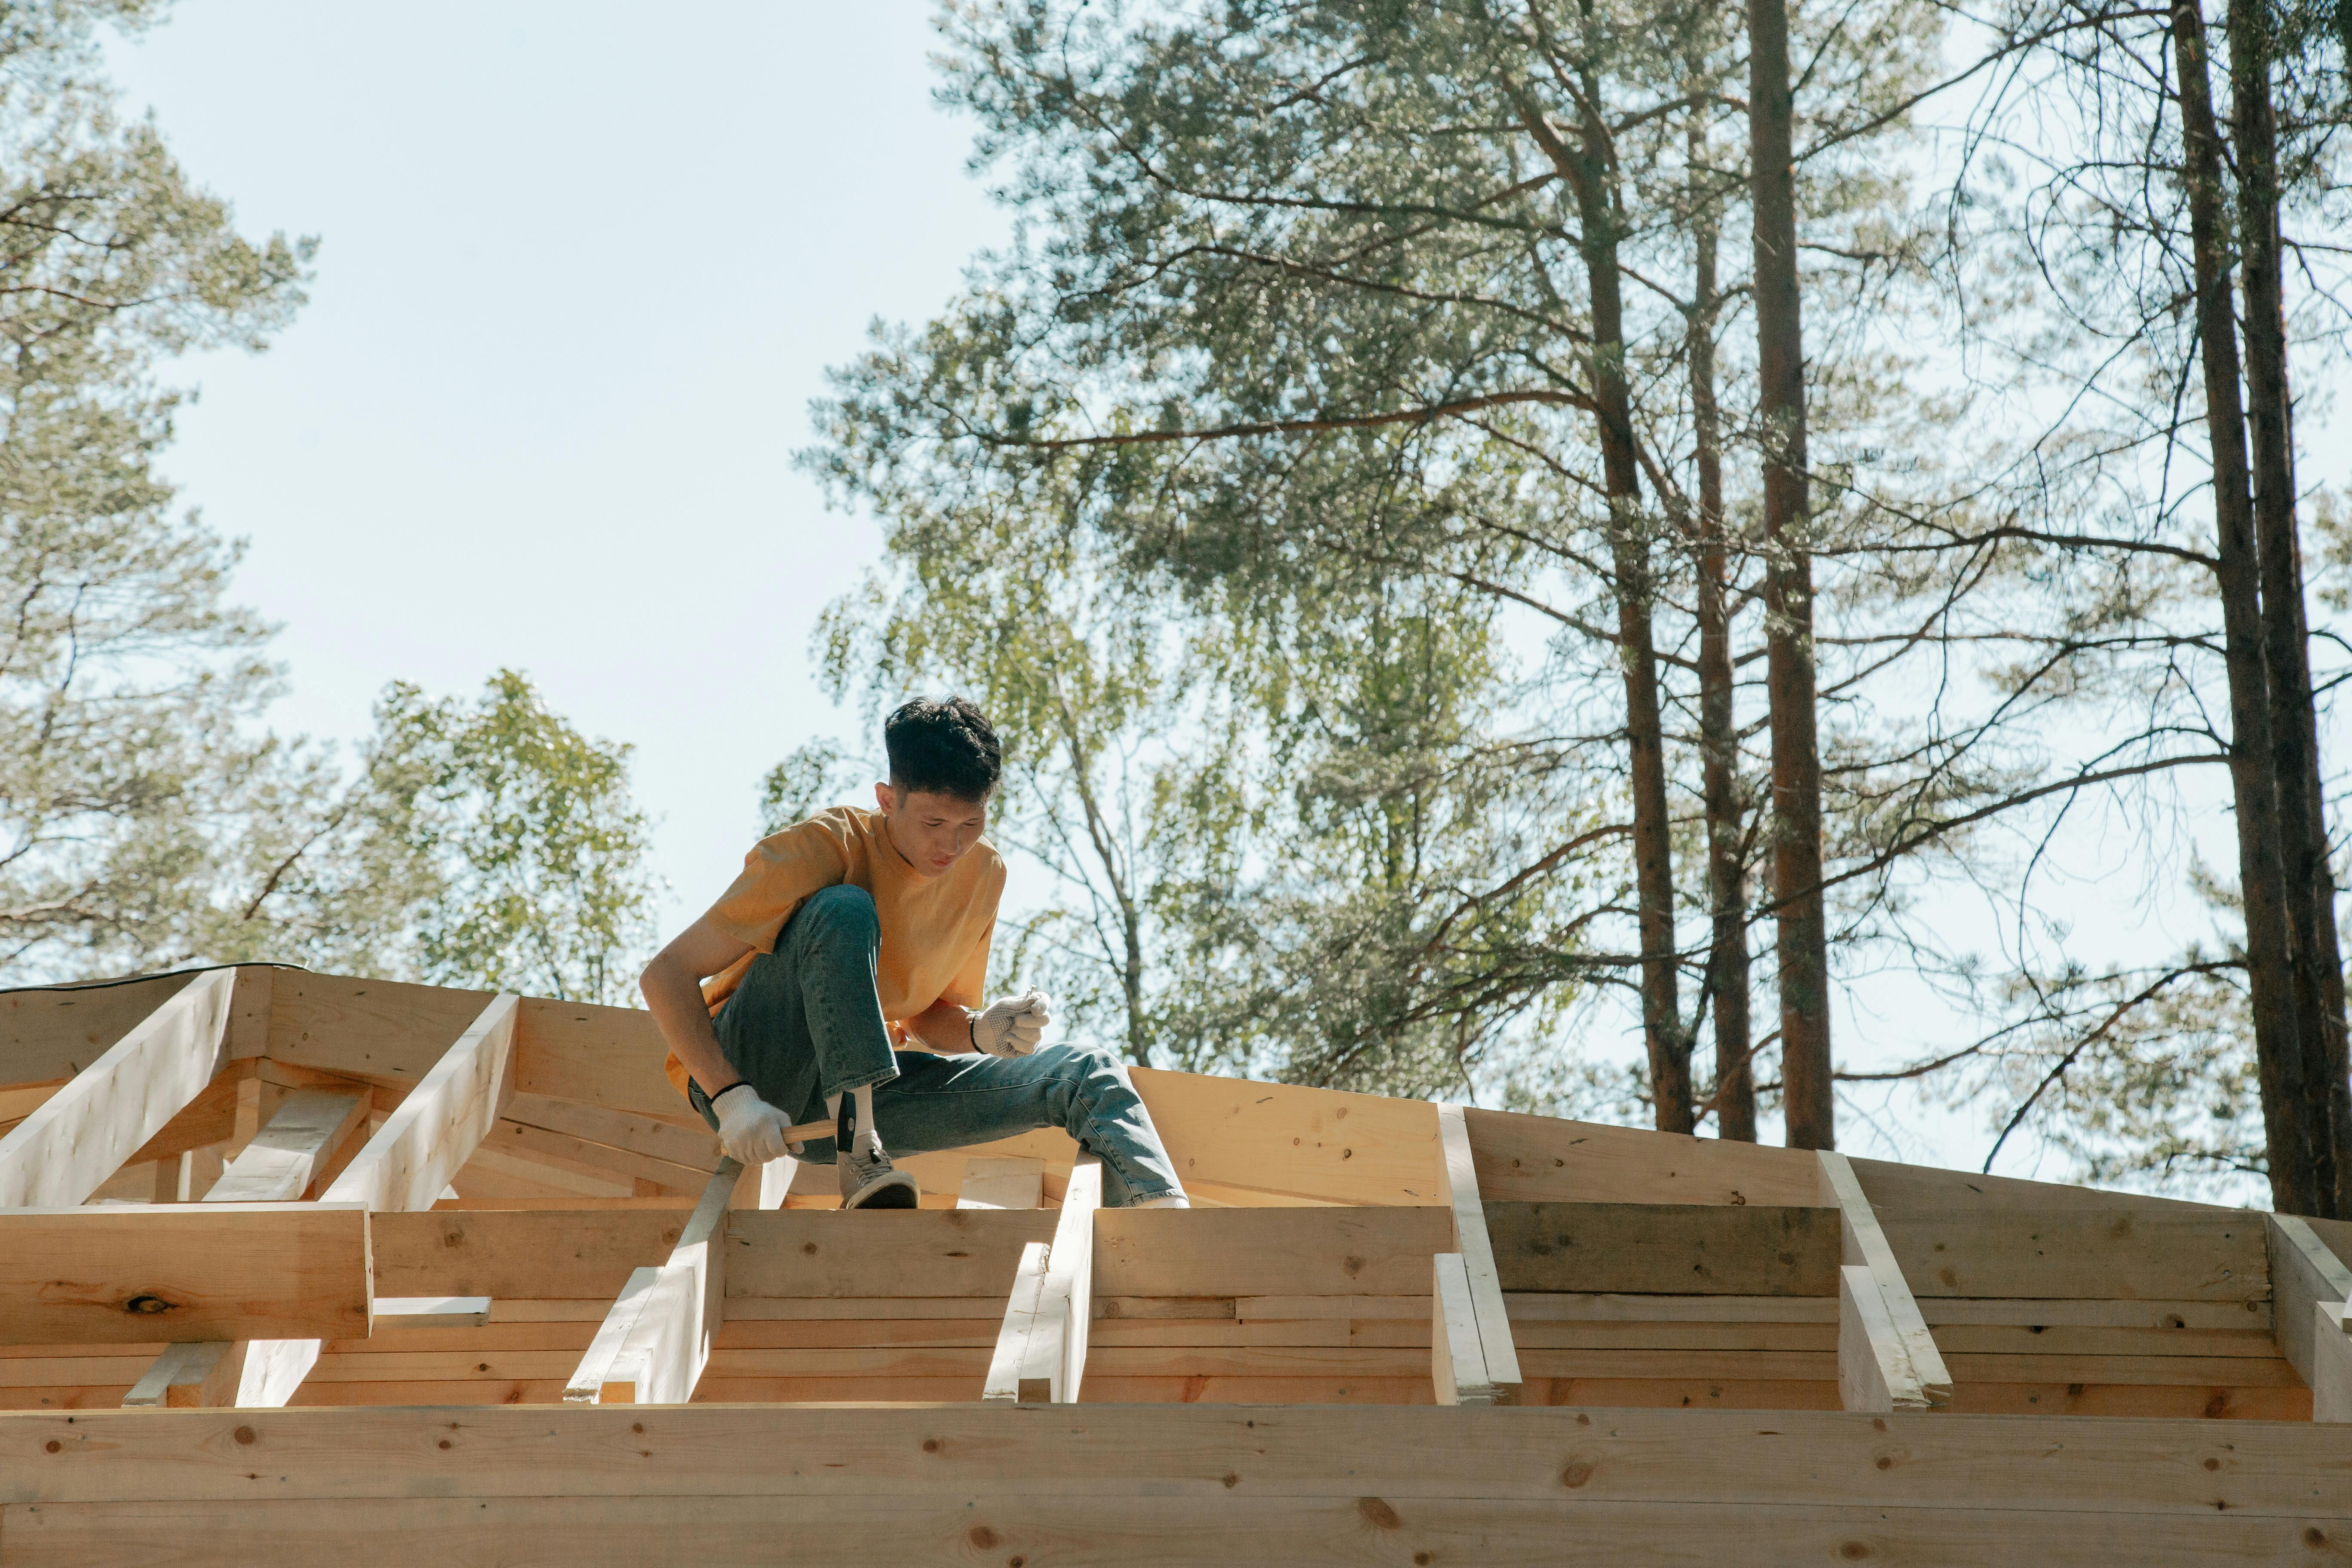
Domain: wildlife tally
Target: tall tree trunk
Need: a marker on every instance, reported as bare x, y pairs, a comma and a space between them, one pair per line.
2310, 881
2278, 1049
1588, 172
1806, 1104
1726, 868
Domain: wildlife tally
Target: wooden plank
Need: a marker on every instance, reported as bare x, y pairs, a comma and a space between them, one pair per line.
1664, 1249
1545, 1159
2331, 1364
607, 1057
189, 1377
776, 1182
1493, 1349
2055, 1465
1457, 1368
1605, 1307
139, 1273
1024, 1321
657, 1338
1286, 1138
1864, 1245
384, 1031
61, 1154
404, 1166
1001, 1182
489, 1167
1134, 1527
287, 1155
2305, 1272
522, 1140
1068, 1301
1270, 1252
566, 1254
2166, 1253
1874, 1371
398, 1313
2085, 1313
50, 1033
597, 1379
930, 1252
696, 1147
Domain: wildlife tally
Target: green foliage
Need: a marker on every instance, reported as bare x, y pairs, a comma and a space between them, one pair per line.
146, 818
536, 846
127, 768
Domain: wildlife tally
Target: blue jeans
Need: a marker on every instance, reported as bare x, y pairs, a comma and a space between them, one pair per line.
806, 1024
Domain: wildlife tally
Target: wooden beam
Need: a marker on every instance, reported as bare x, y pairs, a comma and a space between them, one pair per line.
655, 1341
437, 1129
133, 1274
431, 1311
1865, 1246
202, 1376
61, 1154
1001, 1182
1875, 1372
2310, 1286
1025, 1323
776, 1180
288, 1153
404, 1167
2305, 1273
1456, 1364
1041, 1349
1492, 1351
1541, 1467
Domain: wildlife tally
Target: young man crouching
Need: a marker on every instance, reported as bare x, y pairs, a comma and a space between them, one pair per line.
856, 931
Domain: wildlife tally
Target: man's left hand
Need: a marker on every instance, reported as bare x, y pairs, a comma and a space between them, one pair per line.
1012, 1026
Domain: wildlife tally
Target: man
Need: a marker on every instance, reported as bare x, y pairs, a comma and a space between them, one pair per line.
857, 931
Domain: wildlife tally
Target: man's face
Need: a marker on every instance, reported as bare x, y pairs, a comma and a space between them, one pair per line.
932, 831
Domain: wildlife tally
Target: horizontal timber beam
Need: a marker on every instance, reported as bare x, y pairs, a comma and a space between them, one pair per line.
133, 1274
2073, 1471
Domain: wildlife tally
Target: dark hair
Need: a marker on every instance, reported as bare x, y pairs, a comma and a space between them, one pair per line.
942, 748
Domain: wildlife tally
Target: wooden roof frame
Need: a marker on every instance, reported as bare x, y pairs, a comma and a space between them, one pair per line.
241, 1315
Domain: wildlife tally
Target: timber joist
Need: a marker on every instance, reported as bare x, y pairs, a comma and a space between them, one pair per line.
447, 1229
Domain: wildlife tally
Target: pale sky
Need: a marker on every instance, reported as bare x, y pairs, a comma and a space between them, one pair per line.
581, 270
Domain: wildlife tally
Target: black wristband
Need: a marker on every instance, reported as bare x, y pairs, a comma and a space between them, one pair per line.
739, 1083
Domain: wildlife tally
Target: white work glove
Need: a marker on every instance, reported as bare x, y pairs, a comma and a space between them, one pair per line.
1012, 1026
749, 1128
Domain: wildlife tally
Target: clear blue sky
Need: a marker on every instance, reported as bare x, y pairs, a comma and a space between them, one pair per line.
582, 268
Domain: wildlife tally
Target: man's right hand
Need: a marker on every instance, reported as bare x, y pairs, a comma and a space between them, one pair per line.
749, 1128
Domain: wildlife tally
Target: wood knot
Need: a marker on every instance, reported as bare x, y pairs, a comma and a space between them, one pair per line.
637, 1427
52, 1445
1884, 1463
2212, 1463
1379, 1514
242, 1433
979, 1535
1578, 1472
442, 1444
2314, 1537
1231, 1480
146, 1304
930, 1445
1853, 1551
1424, 1559
808, 1249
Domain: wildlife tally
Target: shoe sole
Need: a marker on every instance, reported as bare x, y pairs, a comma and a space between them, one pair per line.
896, 1191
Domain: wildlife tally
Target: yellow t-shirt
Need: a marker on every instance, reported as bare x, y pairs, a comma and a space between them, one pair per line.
935, 929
